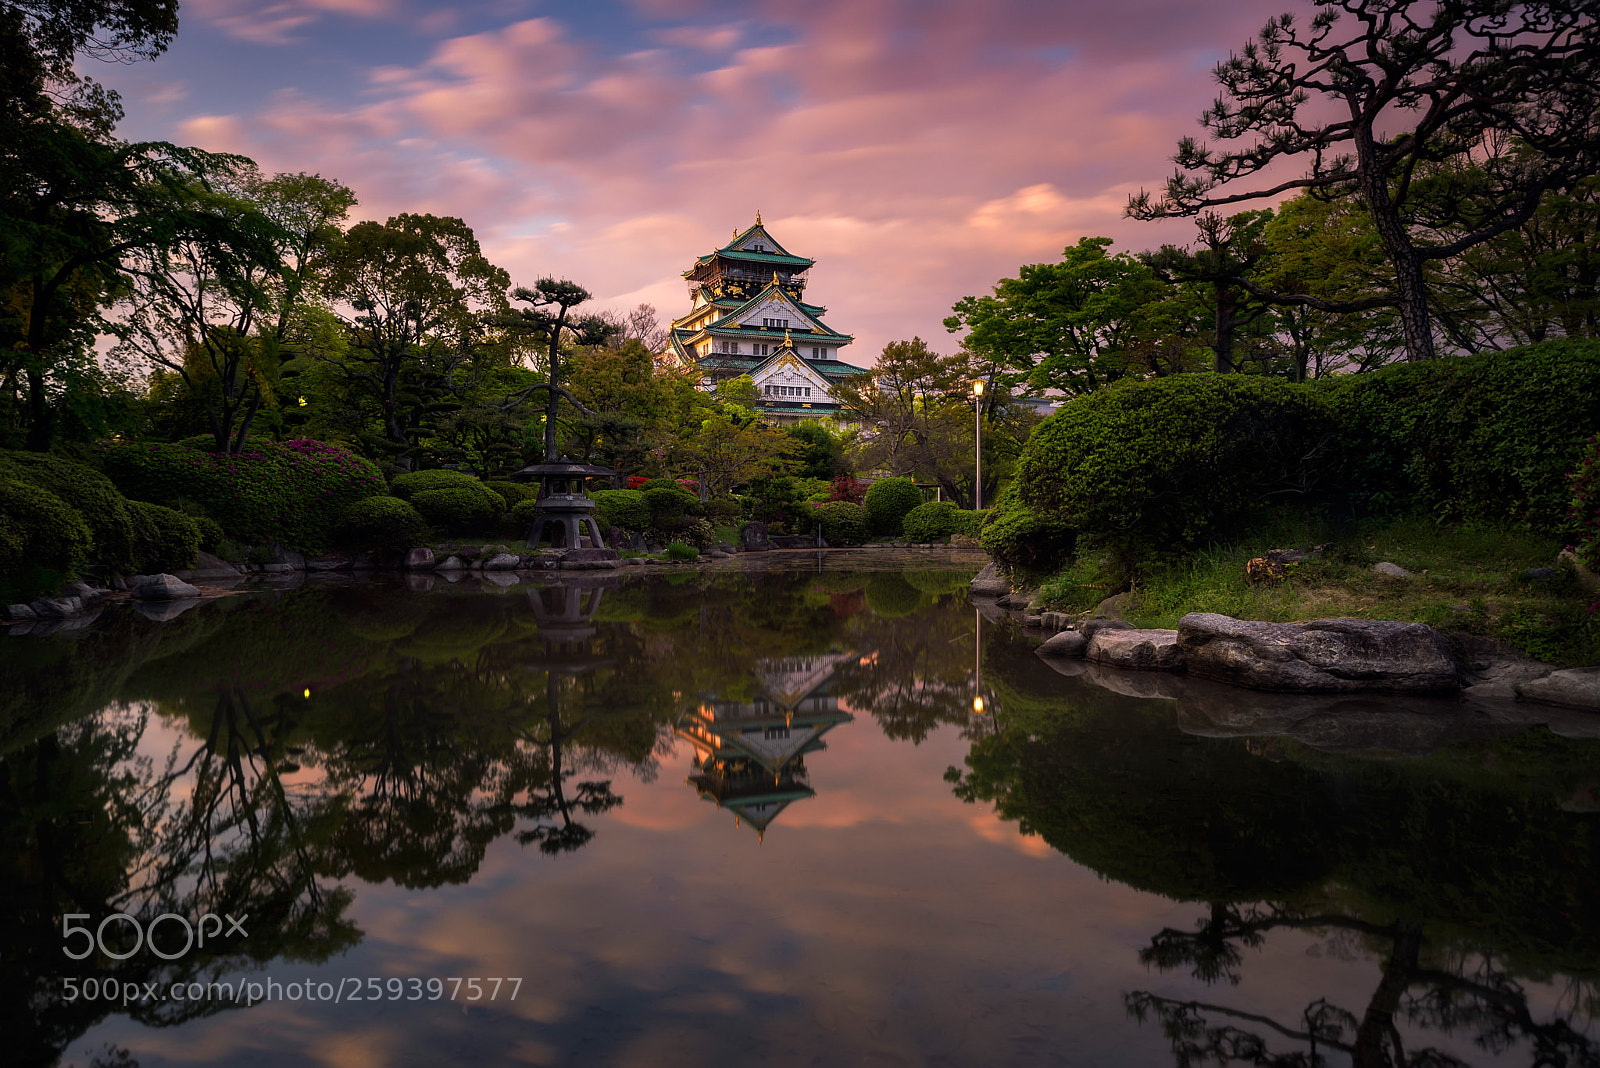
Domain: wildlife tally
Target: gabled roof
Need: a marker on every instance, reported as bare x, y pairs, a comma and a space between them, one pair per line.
757, 232
729, 321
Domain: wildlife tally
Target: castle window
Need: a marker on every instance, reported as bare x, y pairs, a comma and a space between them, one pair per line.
776, 733
808, 391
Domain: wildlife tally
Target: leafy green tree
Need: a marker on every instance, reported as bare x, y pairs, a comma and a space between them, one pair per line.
916, 416
1373, 91
1068, 326
1227, 247
417, 288
216, 307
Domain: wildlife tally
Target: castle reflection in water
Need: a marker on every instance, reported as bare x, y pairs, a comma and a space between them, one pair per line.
750, 756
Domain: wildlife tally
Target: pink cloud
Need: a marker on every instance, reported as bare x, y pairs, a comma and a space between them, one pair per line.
920, 151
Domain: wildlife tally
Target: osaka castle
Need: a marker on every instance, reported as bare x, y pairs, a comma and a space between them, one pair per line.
747, 317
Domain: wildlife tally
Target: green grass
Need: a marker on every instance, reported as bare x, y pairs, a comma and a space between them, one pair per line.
1467, 578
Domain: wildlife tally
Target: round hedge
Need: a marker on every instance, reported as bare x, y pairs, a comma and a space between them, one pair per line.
669, 504
627, 509
172, 541
292, 492
115, 529
844, 523
522, 514
887, 502
934, 521
724, 511
1019, 536
459, 509
43, 539
382, 524
513, 493
1148, 467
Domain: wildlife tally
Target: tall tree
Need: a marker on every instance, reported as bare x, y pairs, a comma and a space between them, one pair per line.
416, 289
1068, 326
548, 319
215, 307
1227, 248
1372, 90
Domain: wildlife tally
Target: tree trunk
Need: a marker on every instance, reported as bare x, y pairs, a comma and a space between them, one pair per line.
1410, 289
1222, 330
39, 415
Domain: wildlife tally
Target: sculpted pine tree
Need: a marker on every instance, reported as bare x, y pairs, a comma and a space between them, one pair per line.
1373, 90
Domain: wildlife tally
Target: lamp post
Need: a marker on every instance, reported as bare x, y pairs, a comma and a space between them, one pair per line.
977, 448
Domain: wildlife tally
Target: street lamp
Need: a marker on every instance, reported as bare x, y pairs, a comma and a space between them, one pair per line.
977, 426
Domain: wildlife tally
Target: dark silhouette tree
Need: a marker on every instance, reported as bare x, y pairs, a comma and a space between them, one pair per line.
1373, 90
548, 319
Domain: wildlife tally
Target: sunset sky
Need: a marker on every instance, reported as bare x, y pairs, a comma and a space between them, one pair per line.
918, 150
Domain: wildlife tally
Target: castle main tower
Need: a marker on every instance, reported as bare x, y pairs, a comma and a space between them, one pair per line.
748, 316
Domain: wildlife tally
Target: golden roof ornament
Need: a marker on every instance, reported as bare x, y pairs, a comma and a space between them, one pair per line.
758, 216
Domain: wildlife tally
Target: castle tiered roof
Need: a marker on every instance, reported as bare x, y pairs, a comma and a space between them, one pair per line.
748, 317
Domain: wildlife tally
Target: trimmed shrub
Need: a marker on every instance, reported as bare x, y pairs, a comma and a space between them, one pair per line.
844, 523
1018, 536
670, 504
116, 530
171, 541
1491, 436
887, 502
627, 509
459, 509
522, 514
513, 493
847, 488
934, 521
1148, 467
972, 521
723, 511
292, 491
679, 551
1583, 516
211, 533
408, 485
381, 524
43, 540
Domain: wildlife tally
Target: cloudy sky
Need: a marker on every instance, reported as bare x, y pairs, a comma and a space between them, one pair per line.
918, 149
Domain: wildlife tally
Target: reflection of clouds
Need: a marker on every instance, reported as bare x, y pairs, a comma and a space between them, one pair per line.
907, 928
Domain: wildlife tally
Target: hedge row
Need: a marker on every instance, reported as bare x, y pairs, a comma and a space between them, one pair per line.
293, 492
1153, 467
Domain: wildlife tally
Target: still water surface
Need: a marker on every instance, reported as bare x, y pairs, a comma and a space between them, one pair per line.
752, 817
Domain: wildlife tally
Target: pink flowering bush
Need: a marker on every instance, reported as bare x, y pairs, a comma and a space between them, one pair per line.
293, 492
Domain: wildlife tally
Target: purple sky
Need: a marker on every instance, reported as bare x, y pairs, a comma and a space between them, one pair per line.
918, 150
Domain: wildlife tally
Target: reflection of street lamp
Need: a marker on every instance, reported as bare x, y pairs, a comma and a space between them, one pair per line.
977, 662
977, 448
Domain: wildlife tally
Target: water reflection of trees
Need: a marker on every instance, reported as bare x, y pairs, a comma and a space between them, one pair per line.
1467, 874
331, 735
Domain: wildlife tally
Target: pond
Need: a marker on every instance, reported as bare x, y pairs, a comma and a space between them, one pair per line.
755, 815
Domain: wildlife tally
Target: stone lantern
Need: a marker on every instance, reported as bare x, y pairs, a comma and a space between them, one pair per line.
565, 512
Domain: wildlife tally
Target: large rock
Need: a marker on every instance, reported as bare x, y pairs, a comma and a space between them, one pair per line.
281, 555
450, 563
57, 607
505, 562
753, 538
990, 583
1492, 669
20, 613
1067, 645
330, 562
590, 559
1320, 656
164, 588
1139, 650
209, 568
1569, 687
